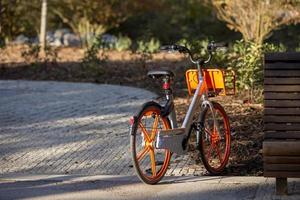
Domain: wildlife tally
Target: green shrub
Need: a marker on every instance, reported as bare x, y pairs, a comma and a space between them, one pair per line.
246, 58
91, 61
32, 54
145, 50
51, 54
269, 47
123, 43
150, 46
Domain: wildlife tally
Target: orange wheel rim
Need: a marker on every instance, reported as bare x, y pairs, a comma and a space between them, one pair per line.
148, 151
216, 149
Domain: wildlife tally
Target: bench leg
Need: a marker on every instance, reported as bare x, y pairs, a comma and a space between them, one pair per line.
281, 186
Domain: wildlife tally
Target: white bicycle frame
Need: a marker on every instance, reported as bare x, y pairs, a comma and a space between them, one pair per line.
172, 139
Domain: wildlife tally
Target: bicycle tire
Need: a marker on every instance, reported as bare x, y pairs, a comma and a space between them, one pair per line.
139, 140
210, 140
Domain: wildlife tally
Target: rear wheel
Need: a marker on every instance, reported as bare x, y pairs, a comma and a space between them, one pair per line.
215, 143
150, 163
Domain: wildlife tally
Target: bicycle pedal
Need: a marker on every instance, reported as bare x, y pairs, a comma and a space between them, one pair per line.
171, 139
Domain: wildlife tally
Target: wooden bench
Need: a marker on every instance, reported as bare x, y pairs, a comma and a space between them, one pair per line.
281, 146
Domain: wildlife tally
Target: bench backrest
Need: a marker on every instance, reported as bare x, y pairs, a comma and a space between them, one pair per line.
281, 146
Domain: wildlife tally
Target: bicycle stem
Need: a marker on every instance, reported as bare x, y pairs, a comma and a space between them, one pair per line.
200, 61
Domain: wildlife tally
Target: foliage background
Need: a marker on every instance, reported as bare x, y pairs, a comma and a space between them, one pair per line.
142, 26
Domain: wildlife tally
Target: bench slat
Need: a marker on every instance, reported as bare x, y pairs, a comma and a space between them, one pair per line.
281, 135
282, 167
281, 88
281, 119
282, 65
281, 127
282, 111
281, 174
282, 57
282, 103
281, 148
281, 159
282, 73
281, 96
281, 81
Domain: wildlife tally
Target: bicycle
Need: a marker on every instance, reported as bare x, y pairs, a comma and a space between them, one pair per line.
154, 130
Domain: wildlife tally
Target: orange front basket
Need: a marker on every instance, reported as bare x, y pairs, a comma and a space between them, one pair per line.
219, 82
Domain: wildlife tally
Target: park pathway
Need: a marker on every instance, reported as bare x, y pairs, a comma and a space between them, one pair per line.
71, 128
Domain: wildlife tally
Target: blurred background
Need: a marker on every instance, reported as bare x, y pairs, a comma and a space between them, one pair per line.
95, 29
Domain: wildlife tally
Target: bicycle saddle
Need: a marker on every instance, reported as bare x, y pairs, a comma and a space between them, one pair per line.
156, 74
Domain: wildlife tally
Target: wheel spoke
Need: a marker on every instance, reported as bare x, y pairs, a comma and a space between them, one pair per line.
218, 133
209, 154
206, 130
153, 163
207, 135
219, 153
154, 128
145, 132
143, 153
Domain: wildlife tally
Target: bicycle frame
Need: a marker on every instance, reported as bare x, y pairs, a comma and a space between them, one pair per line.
181, 135
200, 95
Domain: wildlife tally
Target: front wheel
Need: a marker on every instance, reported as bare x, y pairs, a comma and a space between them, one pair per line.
214, 142
150, 163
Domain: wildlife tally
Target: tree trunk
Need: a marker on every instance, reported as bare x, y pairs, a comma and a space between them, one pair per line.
0, 19
43, 27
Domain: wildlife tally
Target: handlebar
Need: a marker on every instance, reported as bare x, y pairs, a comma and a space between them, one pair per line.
180, 49
214, 46
211, 47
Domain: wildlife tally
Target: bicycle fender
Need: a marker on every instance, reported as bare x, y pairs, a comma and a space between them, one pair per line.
167, 109
211, 107
134, 119
133, 124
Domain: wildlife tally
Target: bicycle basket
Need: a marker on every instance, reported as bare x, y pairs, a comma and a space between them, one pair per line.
219, 82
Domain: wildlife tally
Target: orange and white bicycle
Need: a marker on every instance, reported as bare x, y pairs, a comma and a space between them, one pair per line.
154, 132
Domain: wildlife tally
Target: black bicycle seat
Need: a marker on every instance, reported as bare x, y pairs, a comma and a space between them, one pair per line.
156, 74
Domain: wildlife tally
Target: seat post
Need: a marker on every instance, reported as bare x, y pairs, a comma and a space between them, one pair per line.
167, 77
167, 86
